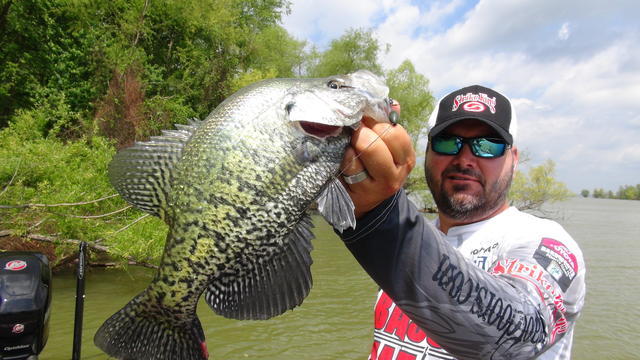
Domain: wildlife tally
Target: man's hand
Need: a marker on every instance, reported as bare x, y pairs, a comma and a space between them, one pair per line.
386, 153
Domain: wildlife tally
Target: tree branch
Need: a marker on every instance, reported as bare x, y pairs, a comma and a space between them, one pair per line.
98, 216
142, 15
23, 206
131, 224
10, 181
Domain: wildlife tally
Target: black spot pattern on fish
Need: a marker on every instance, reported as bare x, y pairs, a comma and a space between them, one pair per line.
234, 201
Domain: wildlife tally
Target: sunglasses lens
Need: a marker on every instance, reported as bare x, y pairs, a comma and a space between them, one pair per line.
481, 147
488, 148
447, 145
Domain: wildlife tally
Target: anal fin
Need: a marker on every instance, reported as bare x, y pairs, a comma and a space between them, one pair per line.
270, 286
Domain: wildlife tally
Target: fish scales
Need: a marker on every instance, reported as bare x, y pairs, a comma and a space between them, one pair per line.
234, 190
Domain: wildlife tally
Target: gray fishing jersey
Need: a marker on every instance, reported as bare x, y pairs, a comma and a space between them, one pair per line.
510, 287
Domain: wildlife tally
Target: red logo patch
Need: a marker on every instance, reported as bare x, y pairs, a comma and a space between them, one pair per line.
474, 106
559, 248
15, 265
474, 102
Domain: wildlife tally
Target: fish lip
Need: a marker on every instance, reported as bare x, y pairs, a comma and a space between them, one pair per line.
318, 130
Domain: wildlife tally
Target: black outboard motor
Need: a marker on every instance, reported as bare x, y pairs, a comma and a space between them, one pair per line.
25, 299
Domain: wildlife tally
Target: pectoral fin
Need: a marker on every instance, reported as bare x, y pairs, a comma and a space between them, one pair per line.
336, 206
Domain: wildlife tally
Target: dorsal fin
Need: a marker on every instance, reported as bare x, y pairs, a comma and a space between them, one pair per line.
142, 173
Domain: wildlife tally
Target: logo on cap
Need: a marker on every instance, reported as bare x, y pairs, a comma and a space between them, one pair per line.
474, 102
15, 265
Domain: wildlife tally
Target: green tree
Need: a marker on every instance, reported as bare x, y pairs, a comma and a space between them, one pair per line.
584, 193
598, 193
627, 192
411, 89
47, 57
175, 59
531, 190
274, 53
356, 49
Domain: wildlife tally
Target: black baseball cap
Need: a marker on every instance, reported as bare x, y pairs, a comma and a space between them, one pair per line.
475, 102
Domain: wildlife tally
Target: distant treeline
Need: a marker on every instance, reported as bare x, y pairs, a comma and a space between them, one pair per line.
626, 192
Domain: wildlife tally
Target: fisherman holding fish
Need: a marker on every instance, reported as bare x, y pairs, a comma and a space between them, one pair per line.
484, 280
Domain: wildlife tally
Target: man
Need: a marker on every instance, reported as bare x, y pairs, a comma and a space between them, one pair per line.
484, 281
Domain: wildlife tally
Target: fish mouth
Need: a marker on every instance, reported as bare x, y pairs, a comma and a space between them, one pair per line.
318, 130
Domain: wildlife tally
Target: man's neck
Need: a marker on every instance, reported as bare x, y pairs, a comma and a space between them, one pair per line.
447, 222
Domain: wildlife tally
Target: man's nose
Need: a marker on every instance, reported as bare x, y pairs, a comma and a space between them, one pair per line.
465, 157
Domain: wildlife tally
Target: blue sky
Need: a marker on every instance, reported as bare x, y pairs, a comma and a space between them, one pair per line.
572, 68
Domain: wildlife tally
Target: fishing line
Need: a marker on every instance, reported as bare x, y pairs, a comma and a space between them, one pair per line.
378, 137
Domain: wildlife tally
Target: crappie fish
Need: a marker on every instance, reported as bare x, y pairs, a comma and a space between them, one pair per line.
235, 190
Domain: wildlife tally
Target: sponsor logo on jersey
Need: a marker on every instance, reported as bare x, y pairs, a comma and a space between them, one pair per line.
558, 260
396, 337
547, 290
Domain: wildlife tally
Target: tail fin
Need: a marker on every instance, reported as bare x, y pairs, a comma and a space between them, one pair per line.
142, 330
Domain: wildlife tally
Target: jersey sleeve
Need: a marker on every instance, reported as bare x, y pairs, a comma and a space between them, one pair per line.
515, 311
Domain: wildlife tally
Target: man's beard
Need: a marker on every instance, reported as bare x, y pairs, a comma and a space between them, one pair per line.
465, 206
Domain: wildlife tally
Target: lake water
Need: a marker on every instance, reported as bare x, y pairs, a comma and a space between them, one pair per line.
335, 321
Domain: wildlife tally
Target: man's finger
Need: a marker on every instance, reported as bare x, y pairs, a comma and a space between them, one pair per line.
352, 166
374, 154
383, 146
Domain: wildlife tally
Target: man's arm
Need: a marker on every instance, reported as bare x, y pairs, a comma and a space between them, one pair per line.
471, 313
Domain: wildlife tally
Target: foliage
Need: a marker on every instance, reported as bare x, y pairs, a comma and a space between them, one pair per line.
530, 191
273, 54
411, 89
45, 53
37, 171
356, 49
275, 50
626, 192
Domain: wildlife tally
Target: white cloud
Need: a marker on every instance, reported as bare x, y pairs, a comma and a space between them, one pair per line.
564, 32
320, 21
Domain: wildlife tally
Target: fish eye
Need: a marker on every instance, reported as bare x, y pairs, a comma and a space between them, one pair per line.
334, 84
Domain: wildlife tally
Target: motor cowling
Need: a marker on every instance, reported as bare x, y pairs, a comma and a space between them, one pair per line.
25, 300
